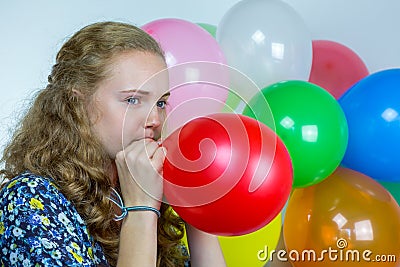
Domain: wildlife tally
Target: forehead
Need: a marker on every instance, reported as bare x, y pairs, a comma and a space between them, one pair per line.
139, 70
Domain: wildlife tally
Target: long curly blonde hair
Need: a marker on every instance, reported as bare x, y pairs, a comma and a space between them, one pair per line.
55, 138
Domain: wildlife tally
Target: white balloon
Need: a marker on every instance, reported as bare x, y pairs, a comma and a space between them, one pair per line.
266, 40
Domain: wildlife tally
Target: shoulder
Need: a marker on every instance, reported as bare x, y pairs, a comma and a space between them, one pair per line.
29, 193
28, 180
32, 189
40, 224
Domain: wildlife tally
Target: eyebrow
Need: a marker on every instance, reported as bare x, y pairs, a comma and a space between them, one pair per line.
143, 92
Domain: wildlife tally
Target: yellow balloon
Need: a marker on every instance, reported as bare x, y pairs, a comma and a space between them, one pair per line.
251, 250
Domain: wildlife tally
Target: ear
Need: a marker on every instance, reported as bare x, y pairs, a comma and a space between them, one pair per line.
78, 94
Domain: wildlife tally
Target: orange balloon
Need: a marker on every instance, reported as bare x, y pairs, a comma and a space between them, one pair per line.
348, 219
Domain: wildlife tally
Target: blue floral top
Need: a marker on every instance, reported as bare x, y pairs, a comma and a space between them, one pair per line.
40, 227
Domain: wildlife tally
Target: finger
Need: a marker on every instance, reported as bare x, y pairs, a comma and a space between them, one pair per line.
151, 148
133, 153
135, 145
140, 147
158, 158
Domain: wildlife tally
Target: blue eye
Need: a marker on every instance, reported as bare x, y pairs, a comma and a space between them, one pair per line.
133, 100
161, 104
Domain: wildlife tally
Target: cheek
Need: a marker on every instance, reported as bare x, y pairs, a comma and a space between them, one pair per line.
133, 127
110, 134
108, 128
163, 115
128, 133
107, 118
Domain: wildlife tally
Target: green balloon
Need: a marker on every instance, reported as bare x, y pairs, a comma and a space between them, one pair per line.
211, 29
393, 188
311, 124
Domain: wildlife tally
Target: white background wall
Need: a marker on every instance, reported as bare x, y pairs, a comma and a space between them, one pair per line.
31, 32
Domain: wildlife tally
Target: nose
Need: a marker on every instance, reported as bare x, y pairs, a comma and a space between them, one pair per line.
153, 120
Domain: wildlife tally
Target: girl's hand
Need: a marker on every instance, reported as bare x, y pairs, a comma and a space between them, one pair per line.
139, 168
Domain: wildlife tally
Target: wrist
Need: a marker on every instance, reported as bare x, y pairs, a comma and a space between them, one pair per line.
117, 200
140, 208
141, 219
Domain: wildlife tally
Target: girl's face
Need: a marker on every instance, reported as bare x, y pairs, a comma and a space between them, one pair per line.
130, 104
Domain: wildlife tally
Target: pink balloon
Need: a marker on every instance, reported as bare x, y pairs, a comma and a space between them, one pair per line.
335, 67
193, 92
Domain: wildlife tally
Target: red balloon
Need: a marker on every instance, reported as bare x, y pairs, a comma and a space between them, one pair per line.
335, 67
226, 174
